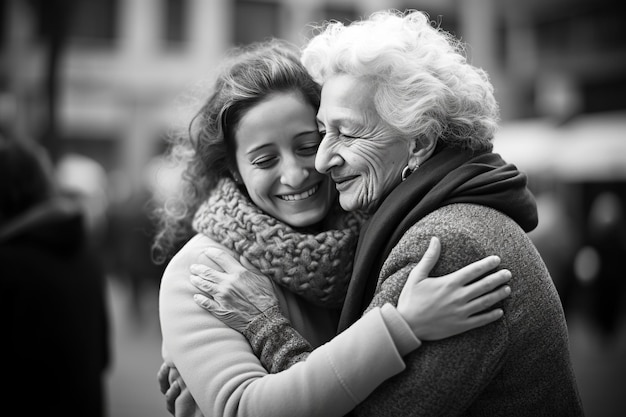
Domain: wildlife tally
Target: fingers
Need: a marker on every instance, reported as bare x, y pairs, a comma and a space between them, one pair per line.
170, 397
476, 269
482, 319
427, 263
206, 303
204, 278
206, 272
223, 259
488, 283
162, 377
485, 301
174, 375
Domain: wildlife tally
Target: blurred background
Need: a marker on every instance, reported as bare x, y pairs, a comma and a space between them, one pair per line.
96, 81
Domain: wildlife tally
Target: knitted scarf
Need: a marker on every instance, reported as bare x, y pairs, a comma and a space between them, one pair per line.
315, 265
450, 176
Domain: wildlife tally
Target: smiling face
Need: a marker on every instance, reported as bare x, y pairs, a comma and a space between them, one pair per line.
277, 140
363, 154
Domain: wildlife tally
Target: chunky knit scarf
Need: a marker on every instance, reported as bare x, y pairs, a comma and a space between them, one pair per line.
316, 266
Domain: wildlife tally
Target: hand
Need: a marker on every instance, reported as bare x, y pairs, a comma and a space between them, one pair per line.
437, 308
233, 294
178, 399
170, 387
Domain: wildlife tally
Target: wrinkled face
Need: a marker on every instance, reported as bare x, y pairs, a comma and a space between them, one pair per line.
276, 145
363, 154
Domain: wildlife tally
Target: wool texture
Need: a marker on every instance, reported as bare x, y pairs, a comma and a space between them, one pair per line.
315, 265
277, 345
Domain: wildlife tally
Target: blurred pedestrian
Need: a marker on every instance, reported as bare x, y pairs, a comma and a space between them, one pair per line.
53, 289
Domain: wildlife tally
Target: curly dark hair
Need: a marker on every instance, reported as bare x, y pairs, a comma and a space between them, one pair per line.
205, 153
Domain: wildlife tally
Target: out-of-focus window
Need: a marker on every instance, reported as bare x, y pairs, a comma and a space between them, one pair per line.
175, 12
341, 13
586, 41
582, 27
94, 21
255, 21
100, 147
3, 23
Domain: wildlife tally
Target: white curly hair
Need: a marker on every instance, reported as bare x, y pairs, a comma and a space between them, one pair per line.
425, 86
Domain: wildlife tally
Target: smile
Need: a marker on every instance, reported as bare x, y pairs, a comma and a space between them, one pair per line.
339, 182
295, 197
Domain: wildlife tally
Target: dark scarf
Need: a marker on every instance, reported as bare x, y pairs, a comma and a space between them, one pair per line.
450, 176
316, 265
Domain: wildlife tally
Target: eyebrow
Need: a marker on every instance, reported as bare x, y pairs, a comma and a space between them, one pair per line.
348, 122
270, 144
343, 118
259, 148
306, 132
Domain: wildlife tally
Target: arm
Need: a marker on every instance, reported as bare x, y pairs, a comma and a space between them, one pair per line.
226, 379
434, 308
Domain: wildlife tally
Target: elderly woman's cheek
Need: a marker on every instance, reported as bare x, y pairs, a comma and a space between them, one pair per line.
374, 173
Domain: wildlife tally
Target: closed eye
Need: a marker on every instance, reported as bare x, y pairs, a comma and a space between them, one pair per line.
343, 135
309, 150
265, 162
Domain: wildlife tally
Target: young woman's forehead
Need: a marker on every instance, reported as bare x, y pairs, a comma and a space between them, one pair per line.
276, 121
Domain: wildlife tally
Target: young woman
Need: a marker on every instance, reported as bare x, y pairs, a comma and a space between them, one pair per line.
251, 189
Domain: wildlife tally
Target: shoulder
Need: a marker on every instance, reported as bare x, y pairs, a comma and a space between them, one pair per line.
470, 223
468, 232
176, 289
190, 253
465, 217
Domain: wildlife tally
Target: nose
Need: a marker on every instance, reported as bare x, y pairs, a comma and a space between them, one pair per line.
294, 173
326, 157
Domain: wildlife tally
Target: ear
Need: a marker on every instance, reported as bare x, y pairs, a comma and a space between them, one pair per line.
423, 149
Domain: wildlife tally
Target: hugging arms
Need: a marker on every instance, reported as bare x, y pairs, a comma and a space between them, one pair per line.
421, 169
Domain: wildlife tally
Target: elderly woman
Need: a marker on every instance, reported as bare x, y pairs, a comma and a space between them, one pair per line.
408, 126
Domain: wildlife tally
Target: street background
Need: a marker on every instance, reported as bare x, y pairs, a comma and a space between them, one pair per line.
101, 83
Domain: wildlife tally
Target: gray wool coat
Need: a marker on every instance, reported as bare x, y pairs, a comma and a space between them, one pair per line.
517, 366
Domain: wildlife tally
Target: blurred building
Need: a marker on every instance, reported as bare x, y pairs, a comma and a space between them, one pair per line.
99, 78
117, 63
96, 82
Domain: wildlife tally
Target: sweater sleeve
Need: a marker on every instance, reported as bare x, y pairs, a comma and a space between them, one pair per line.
279, 346
226, 378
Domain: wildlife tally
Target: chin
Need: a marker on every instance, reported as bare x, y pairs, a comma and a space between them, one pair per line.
306, 221
351, 203
348, 204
